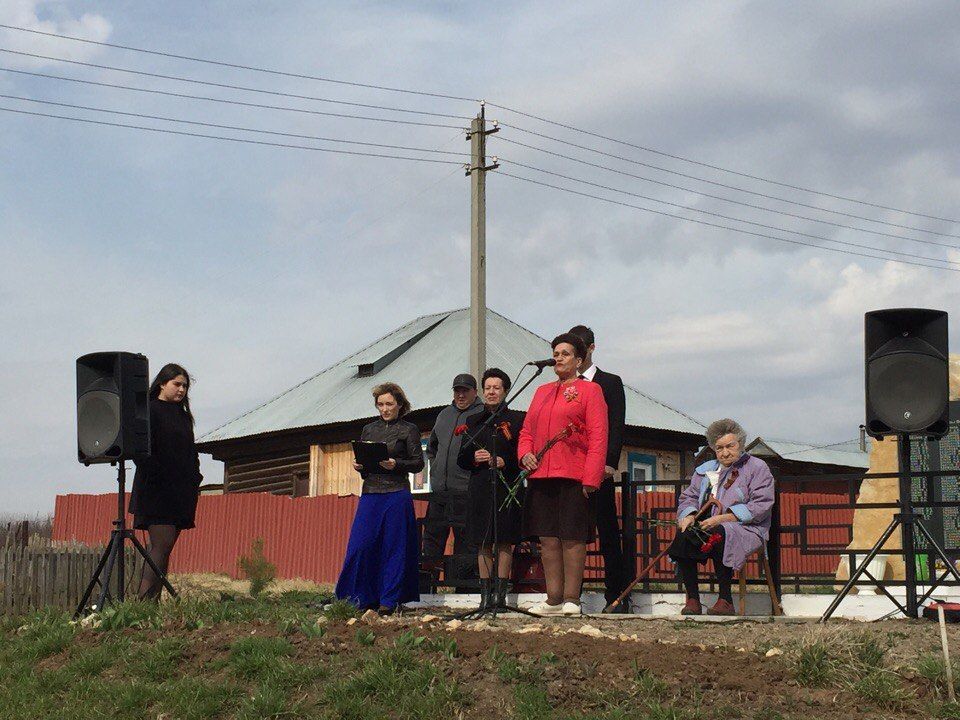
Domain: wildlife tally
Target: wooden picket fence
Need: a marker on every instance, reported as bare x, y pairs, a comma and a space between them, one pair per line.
41, 574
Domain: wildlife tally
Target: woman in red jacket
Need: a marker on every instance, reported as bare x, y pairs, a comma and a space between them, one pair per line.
556, 506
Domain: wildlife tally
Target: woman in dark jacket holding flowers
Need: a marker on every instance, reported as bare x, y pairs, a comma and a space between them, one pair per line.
570, 417
483, 500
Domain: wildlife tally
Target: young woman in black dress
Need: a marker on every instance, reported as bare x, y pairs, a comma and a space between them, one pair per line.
166, 485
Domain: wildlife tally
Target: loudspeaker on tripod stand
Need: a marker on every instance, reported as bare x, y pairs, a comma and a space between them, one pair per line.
113, 425
113, 414
906, 372
907, 393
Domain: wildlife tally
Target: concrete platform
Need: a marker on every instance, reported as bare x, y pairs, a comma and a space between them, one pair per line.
865, 606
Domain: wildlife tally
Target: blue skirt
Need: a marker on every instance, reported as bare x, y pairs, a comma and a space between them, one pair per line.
382, 563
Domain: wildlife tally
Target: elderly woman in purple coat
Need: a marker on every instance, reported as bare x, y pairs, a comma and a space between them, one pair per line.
734, 527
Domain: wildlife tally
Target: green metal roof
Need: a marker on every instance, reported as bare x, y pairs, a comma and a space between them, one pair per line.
422, 357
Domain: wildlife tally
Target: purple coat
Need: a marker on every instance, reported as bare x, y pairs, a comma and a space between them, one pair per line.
749, 498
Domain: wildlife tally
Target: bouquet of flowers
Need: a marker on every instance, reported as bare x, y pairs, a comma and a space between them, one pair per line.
503, 428
514, 488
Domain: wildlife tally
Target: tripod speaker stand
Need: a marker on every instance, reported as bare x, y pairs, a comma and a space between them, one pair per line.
907, 520
113, 557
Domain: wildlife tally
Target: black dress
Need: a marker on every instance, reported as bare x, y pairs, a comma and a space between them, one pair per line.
165, 487
481, 499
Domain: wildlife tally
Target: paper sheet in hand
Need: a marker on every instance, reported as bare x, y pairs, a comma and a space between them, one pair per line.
369, 453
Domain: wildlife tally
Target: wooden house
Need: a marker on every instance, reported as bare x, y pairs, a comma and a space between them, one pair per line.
297, 443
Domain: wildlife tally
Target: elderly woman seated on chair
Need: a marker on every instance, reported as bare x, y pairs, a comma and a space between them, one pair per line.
723, 515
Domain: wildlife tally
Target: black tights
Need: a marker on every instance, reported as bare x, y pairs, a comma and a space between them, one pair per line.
688, 571
162, 540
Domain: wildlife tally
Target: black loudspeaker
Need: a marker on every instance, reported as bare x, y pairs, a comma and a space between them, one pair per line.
113, 413
907, 372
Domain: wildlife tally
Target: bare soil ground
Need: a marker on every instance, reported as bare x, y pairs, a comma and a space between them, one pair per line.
219, 654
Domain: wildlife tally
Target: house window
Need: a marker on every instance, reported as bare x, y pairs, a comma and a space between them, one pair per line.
420, 482
643, 470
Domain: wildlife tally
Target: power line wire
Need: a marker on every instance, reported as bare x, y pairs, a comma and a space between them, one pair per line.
238, 66
230, 139
233, 127
821, 447
720, 215
498, 136
243, 88
716, 167
719, 225
223, 101
728, 186
506, 108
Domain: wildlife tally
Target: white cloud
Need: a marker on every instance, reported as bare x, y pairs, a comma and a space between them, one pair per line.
50, 17
256, 267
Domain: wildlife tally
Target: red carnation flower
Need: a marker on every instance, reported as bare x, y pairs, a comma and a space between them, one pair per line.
460, 429
711, 542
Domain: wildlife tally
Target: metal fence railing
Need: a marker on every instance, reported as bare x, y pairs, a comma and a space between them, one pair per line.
811, 532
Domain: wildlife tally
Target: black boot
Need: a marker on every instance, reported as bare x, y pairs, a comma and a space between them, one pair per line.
486, 596
500, 588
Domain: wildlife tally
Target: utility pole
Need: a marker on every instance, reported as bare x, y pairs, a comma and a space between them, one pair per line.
478, 240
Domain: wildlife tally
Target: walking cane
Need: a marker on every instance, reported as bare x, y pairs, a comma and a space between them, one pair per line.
712, 502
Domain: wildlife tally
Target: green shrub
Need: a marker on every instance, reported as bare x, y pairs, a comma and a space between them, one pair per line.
814, 666
257, 569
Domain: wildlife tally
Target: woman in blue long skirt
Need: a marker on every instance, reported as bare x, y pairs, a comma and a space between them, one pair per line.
380, 570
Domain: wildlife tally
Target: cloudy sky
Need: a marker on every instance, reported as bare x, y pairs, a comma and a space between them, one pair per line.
256, 266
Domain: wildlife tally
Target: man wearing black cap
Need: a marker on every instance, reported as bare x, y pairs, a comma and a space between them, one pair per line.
448, 510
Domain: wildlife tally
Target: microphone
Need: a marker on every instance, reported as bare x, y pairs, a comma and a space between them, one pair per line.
541, 364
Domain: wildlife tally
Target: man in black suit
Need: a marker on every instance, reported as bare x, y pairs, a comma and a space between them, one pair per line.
603, 501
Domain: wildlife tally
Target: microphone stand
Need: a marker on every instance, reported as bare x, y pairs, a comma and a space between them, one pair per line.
493, 472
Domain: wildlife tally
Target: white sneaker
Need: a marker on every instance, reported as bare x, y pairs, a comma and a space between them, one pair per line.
571, 608
545, 608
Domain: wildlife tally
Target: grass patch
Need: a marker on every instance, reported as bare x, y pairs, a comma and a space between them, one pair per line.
531, 702
365, 636
394, 682
945, 711
43, 635
130, 614
814, 665
253, 656
341, 610
883, 688
160, 660
193, 698
931, 668
854, 661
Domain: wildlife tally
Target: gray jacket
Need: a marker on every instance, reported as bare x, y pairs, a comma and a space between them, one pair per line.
443, 448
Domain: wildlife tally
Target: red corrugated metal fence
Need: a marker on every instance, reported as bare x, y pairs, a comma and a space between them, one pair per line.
307, 537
